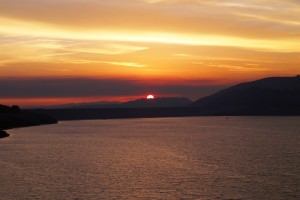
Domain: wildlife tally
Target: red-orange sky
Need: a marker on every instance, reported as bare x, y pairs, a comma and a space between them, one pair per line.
64, 51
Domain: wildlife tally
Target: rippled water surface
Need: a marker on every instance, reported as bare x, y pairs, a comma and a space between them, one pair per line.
168, 158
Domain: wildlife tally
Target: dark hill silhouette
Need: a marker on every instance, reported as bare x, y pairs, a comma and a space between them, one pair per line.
138, 103
158, 102
12, 117
268, 96
140, 108
3, 134
99, 104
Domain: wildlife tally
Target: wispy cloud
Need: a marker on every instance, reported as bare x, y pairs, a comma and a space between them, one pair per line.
188, 17
126, 64
209, 58
32, 49
251, 68
108, 49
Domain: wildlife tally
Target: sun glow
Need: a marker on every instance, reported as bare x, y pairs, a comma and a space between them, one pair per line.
150, 96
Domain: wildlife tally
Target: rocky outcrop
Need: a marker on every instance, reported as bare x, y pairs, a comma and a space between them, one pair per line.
3, 134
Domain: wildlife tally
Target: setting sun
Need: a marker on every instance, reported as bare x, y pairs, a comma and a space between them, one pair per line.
150, 96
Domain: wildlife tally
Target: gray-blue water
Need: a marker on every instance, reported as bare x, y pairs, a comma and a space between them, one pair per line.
167, 158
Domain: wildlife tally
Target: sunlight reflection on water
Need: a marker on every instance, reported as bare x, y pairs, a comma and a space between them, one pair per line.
170, 158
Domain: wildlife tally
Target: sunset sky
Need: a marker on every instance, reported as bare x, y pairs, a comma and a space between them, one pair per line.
65, 51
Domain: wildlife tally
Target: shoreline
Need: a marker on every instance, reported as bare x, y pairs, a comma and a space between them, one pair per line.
18, 119
128, 113
3, 134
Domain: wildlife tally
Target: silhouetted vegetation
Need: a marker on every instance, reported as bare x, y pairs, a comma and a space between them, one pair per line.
12, 117
3, 134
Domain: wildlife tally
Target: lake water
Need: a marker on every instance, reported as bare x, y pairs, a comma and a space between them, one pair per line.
163, 158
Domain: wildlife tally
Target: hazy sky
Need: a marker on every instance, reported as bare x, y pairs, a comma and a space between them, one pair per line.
59, 51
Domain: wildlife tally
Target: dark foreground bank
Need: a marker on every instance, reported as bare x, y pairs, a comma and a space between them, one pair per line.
14, 117
3, 134
117, 113
123, 113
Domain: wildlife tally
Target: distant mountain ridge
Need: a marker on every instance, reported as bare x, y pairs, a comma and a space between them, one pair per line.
158, 102
275, 95
98, 104
138, 103
265, 97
